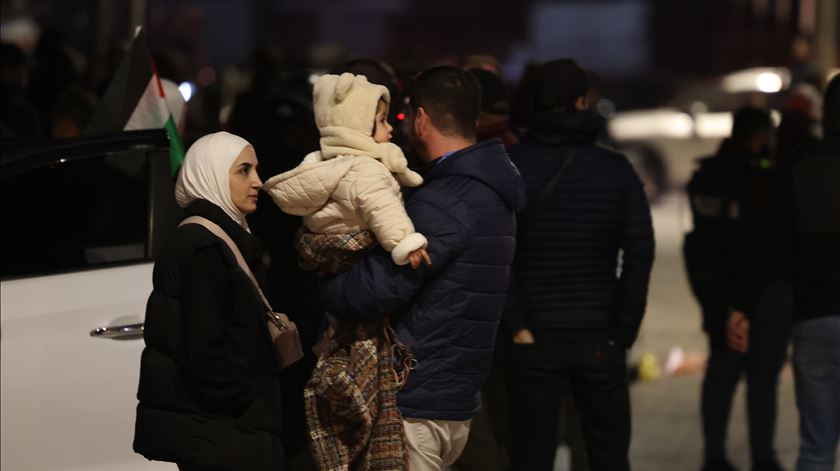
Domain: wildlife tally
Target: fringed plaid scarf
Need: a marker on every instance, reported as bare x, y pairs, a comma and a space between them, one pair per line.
333, 253
351, 400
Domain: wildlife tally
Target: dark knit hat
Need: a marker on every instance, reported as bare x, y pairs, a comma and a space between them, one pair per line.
495, 98
559, 84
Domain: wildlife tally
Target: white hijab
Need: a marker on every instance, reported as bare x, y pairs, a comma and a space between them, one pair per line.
205, 173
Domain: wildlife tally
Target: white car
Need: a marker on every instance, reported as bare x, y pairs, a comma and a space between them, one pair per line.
84, 219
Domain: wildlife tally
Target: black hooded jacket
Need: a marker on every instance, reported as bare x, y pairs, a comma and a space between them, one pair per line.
585, 250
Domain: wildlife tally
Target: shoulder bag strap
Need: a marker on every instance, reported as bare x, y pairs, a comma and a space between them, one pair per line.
240, 260
548, 189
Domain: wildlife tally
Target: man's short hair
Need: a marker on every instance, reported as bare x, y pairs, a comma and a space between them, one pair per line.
748, 121
559, 84
451, 97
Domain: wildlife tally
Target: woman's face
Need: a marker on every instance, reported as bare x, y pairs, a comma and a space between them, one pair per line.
245, 184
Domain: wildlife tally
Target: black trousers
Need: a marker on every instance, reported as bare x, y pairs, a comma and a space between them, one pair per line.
769, 335
595, 368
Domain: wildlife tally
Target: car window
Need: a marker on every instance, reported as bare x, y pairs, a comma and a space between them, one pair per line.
76, 214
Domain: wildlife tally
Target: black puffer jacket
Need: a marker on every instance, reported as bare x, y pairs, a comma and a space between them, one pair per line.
566, 272
208, 388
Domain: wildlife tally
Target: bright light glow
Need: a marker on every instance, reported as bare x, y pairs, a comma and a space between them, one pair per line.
713, 125
776, 116
314, 78
769, 82
654, 123
759, 79
187, 90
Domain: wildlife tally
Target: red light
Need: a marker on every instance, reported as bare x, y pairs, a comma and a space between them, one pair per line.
400, 116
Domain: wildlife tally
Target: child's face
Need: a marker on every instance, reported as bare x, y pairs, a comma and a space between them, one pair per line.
381, 129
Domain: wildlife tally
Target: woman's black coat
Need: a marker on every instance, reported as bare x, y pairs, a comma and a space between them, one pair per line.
208, 391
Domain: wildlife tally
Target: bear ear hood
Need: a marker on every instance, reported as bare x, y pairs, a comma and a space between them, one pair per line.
347, 101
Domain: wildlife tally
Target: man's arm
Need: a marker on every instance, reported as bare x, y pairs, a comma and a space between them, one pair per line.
637, 245
375, 286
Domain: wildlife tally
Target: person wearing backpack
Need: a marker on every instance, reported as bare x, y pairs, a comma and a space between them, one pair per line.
726, 193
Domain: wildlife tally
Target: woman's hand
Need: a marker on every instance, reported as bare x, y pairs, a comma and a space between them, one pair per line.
419, 256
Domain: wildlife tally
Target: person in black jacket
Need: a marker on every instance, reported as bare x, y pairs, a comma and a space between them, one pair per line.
726, 193
801, 236
209, 395
580, 279
447, 313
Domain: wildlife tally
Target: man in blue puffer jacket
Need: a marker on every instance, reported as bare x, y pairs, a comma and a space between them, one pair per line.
447, 313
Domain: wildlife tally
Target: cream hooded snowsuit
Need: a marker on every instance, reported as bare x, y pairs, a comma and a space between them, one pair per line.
352, 183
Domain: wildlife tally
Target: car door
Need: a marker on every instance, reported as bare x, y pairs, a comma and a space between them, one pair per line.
77, 270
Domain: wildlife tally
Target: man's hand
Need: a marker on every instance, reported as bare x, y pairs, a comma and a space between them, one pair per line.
738, 332
523, 337
419, 256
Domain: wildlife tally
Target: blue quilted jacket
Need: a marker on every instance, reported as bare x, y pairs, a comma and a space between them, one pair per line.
447, 313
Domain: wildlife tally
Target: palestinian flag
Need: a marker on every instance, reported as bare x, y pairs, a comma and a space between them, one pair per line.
135, 100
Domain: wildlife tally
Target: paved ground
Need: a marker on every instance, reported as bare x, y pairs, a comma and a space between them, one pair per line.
666, 426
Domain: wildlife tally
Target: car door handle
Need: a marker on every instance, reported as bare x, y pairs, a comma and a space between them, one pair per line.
119, 332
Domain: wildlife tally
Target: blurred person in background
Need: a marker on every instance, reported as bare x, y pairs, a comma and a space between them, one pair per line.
57, 68
585, 249
726, 195
495, 109
800, 236
799, 121
522, 102
19, 117
72, 111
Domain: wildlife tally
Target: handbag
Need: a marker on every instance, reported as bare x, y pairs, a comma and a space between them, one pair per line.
285, 338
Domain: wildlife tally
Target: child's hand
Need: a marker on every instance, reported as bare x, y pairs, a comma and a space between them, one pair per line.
418, 256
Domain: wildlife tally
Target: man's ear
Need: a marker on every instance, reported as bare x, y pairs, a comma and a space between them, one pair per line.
581, 104
421, 121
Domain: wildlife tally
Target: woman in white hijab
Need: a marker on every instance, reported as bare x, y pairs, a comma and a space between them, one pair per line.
209, 396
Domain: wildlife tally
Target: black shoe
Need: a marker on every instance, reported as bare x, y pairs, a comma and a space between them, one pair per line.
718, 464
769, 465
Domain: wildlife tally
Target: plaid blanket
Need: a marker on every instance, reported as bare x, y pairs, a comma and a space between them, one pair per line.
331, 253
351, 400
